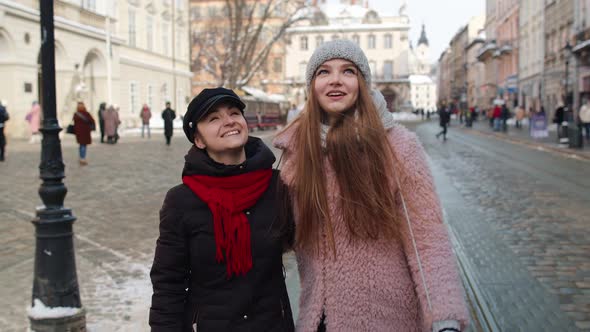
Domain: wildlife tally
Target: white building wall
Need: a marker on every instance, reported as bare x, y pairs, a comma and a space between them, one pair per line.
82, 56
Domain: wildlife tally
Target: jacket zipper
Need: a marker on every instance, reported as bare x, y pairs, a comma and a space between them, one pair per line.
195, 318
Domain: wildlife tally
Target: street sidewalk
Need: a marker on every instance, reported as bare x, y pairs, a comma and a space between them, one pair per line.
522, 136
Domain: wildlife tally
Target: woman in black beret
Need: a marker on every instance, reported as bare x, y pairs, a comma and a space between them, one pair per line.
218, 261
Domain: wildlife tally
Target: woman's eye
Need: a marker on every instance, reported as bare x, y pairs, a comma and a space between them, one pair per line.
213, 118
235, 113
322, 72
350, 71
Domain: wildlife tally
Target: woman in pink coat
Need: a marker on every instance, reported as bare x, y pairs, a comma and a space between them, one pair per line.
34, 120
111, 122
372, 250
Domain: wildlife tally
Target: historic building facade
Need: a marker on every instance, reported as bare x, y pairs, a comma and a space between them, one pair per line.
559, 15
119, 52
383, 38
531, 54
581, 51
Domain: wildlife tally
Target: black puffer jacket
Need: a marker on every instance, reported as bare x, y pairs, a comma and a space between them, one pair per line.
190, 287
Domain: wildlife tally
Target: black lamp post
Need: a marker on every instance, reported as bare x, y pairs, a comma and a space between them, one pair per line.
567, 52
55, 282
574, 132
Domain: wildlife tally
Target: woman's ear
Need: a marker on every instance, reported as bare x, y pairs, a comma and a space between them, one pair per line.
199, 142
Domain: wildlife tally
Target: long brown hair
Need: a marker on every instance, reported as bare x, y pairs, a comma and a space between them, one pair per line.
362, 159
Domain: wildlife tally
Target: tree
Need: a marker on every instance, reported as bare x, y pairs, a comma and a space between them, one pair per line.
234, 46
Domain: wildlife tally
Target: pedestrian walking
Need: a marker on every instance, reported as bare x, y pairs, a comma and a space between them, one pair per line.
558, 118
505, 115
444, 117
218, 262
34, 120
585, 117
3, 118
101, 109
83, 125
168, 115
497, 116
145, 114
292, 114
519, 116
364, 263
111, 121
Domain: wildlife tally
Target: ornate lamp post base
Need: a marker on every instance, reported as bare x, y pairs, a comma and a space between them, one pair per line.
75, 323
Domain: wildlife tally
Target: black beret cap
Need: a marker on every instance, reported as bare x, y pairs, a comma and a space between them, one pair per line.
205, 102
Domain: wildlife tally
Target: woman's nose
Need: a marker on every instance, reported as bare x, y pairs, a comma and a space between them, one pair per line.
228, 120
335, 79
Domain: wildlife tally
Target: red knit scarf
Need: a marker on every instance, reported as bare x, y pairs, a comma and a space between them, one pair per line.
227, 198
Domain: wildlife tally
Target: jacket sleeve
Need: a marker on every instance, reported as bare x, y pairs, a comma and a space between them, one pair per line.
437, 259
170, 271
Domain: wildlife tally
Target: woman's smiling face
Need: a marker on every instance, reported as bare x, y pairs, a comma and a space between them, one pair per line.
336, 86
223, 133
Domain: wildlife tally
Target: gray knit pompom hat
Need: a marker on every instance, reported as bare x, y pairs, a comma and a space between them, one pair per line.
338, 49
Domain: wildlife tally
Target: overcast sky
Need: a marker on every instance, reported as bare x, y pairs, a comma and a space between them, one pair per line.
443, 18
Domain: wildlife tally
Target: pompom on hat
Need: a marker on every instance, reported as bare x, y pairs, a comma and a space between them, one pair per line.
338, 49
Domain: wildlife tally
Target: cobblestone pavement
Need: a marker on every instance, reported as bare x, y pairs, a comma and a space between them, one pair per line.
520, 217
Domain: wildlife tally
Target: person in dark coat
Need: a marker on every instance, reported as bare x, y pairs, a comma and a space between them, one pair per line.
3, 118
83, 125
101, 109
444, 115
218, 260
168, 115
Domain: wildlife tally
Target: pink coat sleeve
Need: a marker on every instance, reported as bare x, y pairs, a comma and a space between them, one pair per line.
432, 240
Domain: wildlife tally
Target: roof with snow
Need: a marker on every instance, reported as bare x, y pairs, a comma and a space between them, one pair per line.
420, 79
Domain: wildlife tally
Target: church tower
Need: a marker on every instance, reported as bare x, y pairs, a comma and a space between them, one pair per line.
422, 54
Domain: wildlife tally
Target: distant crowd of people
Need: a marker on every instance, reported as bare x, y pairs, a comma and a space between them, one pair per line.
499, 114
83, 124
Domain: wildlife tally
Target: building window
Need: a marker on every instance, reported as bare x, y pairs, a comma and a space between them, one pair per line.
150, 96
179, 100
149, 29
89, 5
302, 69
303, 43
133, 96
277, 65
131, 28
195, 13
388, 69
356, 39
212, 11
178, 43
373, 66
387, 41
371, 42
319, 40
165, 94
165, 41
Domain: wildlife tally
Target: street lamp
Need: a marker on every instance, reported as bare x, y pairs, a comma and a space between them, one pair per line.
55, 283
567, 53
573, 132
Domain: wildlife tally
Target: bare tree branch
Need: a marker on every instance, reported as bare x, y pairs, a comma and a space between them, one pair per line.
240, 42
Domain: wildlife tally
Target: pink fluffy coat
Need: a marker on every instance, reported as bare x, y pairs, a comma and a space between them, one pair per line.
376, 286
